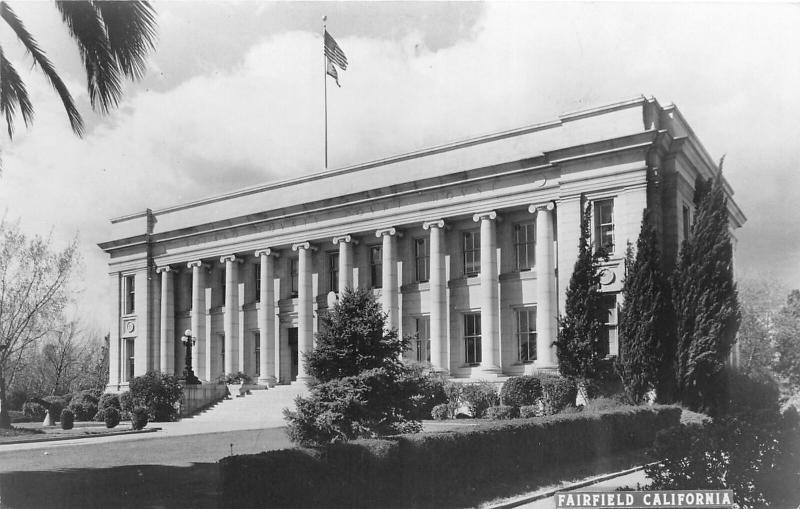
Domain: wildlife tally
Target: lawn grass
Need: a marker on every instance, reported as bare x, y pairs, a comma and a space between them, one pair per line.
25, 432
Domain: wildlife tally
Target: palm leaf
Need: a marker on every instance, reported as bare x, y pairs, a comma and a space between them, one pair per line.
131, 30
13, 95
102, 71
39, 57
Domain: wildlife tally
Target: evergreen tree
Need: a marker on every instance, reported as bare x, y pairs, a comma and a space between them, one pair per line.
787, 339
579, 345
706, 302
646, 326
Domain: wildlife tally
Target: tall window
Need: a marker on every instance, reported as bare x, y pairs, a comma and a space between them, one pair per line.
222, 285
686, 222
129, 287
472, 252
526, 334
525, 245
333, 271
423, 339
422, 258
376, 266
293, 271
611, 341
258, 281
130, 358
257, 351
472, 338
604, 224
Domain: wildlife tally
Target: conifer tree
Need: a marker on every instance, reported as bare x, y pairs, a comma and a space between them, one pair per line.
579, 345
646, 326
706, 302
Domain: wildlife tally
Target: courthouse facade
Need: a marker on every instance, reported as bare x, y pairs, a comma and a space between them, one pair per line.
469, 247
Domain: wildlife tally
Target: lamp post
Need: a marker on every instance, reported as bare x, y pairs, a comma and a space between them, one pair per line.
188, 373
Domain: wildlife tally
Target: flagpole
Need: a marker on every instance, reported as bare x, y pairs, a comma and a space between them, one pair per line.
325, 81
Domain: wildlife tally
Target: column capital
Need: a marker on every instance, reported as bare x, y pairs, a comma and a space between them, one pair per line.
491, 215
436, 223
548, 206
230, 258
344, 238
197, 263
266, 252
303, 245
388, 231
165, 268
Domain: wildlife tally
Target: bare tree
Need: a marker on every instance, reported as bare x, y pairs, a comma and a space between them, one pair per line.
33, 293
63, 355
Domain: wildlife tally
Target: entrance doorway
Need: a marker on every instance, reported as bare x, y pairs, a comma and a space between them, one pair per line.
293, 353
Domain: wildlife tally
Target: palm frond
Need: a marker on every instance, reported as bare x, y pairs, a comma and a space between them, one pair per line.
102, 72
131, 30
13, 95
39, 57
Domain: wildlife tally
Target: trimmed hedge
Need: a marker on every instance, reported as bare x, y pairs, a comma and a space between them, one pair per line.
111, 417
67, 419
139, 417
521, 391
502, 412
430, 469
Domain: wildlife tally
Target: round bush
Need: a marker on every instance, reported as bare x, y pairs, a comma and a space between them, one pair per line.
111, 417
521, 390
441, 412
139, 417
557, 393
67, 418
106, 400
126, 403
479, 397
502, 412
159, 392
84, 404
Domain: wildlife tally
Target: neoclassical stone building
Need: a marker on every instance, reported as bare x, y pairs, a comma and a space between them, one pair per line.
469, 247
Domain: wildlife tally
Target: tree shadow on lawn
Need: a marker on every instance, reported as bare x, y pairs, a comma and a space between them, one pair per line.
134, 486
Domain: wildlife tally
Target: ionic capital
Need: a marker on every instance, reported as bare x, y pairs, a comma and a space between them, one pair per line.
344, 238
303, 245
266, 252
548, 206
388, 231
164, 268
198, 264
437, 223
230, 258
490, 215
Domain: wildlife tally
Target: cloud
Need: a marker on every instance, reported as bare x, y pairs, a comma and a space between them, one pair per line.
731, 70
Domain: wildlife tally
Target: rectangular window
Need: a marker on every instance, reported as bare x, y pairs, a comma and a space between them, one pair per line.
423, 346
129, 346
525, 245
422, 259
376, 266
333, 271
129, 287
472, 252
258, 281
610, 343
293, 271
526, 334
687, 222
257, 351
222, 285
472, 338
604, 225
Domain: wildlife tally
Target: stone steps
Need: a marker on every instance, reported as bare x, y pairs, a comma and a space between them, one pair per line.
260, 407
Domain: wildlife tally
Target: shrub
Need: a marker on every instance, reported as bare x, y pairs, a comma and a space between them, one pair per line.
126, 404
598, 404
84, 405
478, 397
502, 412
441, 412
528, 411
106, 401
521, 390
557, 393
111, 417
33, 410
57, 404
753, 399
67, 418
139, 417
427, 389
159, 393
16, 398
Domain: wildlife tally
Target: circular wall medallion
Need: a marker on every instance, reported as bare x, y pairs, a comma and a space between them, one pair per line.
129, 326
607, 277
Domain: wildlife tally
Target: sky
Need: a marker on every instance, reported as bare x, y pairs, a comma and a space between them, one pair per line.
234, 97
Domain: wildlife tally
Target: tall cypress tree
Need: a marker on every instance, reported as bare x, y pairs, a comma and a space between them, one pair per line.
706, 302
646, 326
579, 344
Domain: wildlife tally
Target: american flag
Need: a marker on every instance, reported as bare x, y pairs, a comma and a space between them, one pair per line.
336, 57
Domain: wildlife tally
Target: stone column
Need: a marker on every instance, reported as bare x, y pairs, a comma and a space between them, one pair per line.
266, 317
114, 346
305, 307
346, 243
489, 293
546, 323
167, 344
198, 317
389, 295
231, 321
437, 293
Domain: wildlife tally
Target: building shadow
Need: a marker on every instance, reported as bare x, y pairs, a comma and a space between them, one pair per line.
134, 486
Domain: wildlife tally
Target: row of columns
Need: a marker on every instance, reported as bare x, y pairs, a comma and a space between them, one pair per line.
439, 327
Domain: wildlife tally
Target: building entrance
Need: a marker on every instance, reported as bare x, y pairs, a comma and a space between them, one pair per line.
293, 353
